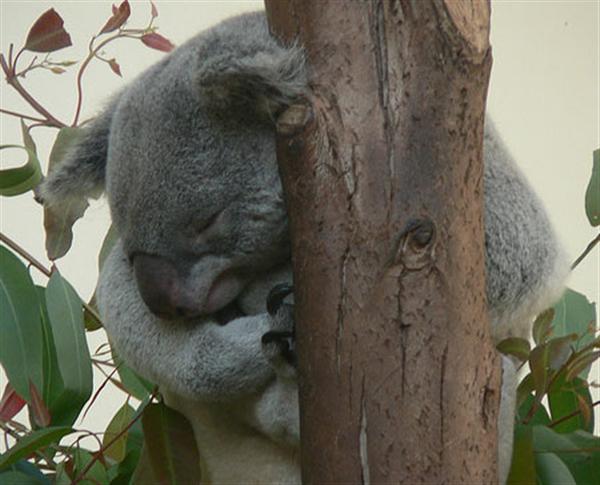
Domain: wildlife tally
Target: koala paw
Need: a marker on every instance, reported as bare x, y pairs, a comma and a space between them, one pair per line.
279, 343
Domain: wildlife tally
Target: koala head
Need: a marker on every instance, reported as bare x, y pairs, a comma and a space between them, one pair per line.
186, 155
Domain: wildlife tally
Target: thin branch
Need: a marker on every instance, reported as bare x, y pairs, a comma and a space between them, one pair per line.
91, 54
14, 82
24, 254
21, 115
101, 451
586, 251
569, 416
43, 269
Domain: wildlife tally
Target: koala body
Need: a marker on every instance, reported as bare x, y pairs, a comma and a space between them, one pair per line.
186, 155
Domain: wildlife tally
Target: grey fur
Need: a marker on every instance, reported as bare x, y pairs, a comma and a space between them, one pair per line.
192, 141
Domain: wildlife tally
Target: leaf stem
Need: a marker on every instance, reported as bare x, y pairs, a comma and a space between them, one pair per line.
21, 115
569, 416
586, 251
92, 51
101, 451
11, 79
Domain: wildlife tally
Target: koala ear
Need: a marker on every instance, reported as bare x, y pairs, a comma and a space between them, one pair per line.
265, 81
80, 174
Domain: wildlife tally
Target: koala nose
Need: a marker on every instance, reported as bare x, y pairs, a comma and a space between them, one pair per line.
162, 289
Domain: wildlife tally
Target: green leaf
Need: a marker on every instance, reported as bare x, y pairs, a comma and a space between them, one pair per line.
549, 357
563, 400
540, 416
53, 393
136, 385
542, 326
15, 181
21, 345
18, 478
33, 442
30, 470
522, 470
59, 220
171, 446
126, 468
110, 239
95, 475
575, 314
66, 319
516, 347
592, 193
580, 451
582, 364
551, 470
118, 423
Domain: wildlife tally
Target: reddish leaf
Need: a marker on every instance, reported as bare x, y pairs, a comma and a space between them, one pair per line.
41, 414
158, 42
47, 34
10, 404
57, 70
119, 17
114, 65
153, 11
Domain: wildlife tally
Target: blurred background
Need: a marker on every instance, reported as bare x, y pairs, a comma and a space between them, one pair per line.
544, 97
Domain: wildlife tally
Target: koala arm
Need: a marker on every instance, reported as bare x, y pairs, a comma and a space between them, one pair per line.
200, 360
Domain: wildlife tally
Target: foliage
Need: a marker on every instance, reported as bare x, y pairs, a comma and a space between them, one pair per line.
45, 356
44, 350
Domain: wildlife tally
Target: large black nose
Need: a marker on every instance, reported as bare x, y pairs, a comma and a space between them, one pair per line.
163, 289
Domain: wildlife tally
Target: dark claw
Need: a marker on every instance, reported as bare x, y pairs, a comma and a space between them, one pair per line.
285, 342
276, 297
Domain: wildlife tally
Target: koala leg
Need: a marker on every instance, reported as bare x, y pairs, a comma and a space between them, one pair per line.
506, 418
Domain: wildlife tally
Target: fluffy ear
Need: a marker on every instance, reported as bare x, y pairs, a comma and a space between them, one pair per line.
80, 174
249, 70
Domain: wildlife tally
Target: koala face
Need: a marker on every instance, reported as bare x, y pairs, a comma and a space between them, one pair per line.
196, 196
186, 156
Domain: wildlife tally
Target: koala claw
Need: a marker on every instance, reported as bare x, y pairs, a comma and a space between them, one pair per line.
276, 297
284, 341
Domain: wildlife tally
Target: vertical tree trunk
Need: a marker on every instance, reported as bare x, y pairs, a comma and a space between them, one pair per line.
382, 169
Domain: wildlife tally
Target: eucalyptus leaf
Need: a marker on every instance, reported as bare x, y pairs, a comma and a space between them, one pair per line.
33, 442
551, 470
171, 446
116, 433
136, 385
66, 319
21, 345
522, 470
516, 347
592, 193
19, 478
580, 451
95, 475
563, 401
574, 313
15, 181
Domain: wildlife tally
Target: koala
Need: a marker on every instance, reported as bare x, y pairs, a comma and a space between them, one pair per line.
190, 295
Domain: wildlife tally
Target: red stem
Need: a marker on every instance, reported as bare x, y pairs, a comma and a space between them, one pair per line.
14, 82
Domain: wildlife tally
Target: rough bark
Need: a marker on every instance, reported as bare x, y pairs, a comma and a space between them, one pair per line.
382, 170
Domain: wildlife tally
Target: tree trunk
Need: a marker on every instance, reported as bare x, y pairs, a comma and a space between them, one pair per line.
382, 170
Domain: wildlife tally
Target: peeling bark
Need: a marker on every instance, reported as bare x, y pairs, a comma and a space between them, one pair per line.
382, 170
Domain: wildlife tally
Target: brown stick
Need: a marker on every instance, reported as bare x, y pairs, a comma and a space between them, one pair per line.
381, 165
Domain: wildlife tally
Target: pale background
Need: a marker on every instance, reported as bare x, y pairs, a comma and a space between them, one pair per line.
543, 95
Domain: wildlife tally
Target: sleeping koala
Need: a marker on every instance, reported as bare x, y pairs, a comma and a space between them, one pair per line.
186, 156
